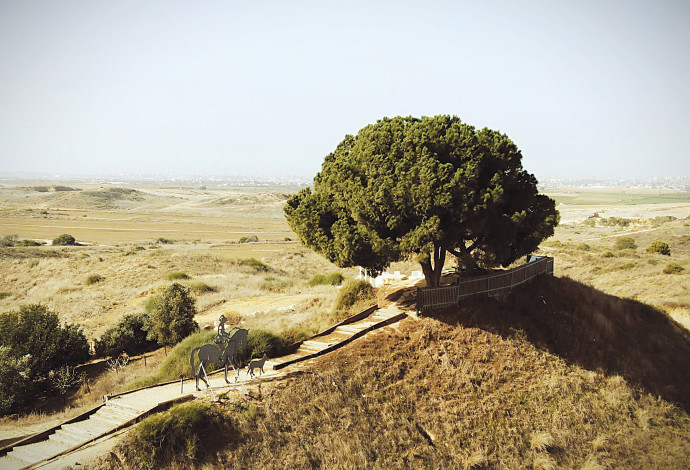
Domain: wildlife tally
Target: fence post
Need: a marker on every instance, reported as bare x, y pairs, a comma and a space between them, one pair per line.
419, 293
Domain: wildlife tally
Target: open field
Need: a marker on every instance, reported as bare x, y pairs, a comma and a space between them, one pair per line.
572, 403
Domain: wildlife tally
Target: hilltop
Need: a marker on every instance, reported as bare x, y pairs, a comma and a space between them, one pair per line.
556, 375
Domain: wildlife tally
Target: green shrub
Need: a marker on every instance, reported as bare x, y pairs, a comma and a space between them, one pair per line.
171, 315
249, 239
177, 437
5, 294
36, 331
128, 336
200, 288
255, 265
64, 240
673, 268
352, 292
333, 279
28, 242
16, 388
93, 279
659, 247
8, 240
625, 243
164, 241
174, 276
262, 342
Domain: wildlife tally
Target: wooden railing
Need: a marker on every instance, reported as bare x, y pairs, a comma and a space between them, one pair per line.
492, 284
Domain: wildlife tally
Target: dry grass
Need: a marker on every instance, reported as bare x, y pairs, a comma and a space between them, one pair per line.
432, 394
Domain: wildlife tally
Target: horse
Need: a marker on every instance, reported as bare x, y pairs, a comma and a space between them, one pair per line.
210, 353
256, 364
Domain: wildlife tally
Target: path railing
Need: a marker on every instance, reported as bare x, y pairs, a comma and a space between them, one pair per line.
492, 284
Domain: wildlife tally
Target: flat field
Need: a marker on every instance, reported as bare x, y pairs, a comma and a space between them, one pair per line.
134, 237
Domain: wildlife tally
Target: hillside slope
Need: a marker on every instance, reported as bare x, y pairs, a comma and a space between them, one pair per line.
557, 375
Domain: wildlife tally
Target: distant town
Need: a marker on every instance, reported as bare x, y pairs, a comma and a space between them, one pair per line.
667, 183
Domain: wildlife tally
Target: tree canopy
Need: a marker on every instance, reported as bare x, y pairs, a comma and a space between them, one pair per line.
171, 316
424, 187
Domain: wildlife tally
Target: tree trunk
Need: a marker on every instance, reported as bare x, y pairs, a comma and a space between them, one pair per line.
432, 273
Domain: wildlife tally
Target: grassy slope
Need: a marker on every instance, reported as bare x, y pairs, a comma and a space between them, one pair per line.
558, 374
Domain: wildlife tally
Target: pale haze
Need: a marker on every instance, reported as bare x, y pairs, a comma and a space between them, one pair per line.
584, 88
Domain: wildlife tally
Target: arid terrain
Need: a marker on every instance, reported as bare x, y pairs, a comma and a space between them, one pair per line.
138, 238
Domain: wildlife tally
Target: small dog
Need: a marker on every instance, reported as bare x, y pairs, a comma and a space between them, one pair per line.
256, 364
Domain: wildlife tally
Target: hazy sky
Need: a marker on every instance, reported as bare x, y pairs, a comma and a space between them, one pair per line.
584, 88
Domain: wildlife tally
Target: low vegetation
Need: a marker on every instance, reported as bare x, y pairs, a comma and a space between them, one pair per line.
254, 265
625, 243
33, 344
250, 239
352, 293
176, 276
93, 279
659, 247
129, 336
673, 268
64, 240
181, 435
332, 279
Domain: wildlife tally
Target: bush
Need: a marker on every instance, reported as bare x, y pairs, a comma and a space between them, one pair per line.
200, 288
176, 276
36, 331
673, 268
659, 247
255, 265
4, 294
275, 284
252, 238
164, 241
171, 315
262, 342
352, 292
8, 240
64, 240
177, 436
333, 279
583, 247
608, 254
93, 279
625, 243
128, 336
15, 385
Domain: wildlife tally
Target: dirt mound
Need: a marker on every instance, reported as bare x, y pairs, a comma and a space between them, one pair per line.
593, 330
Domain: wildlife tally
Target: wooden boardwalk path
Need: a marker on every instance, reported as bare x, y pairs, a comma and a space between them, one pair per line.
43, 450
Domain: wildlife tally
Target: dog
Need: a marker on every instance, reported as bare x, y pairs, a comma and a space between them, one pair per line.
256, 364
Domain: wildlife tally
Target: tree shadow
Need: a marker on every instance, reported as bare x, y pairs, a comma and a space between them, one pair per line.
591, 329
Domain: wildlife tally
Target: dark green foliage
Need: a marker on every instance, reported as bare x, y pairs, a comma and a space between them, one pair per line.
171, 315
262, 342
93, 279
659, 247
176, 436
64, 240
332, 279
425, 187
250, 239
254, 264
15, 384
36, 331
615, 221
27, 242
4, 294
673, 268
128, 336
164, 241
177, 275
625, 243
353, 292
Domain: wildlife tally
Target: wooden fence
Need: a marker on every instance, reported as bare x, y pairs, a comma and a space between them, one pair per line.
492, 284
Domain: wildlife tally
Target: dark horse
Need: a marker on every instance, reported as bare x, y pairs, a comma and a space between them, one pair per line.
210, 353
